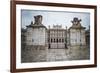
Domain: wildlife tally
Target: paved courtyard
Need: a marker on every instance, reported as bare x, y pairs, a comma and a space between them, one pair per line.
56, 54
48, 55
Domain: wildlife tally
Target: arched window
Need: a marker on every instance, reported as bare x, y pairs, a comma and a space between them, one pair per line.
59, 40
51, 39
54, 40
32, 40
62, 40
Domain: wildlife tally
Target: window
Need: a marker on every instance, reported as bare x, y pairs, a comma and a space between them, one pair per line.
62, 40
32, 40
54, 40
51, 39
59, 40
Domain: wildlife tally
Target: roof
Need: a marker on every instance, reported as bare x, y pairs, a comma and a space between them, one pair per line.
36, 25
77, 27
57, 29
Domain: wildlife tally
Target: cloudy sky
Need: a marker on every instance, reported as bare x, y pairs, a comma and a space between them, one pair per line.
54, 18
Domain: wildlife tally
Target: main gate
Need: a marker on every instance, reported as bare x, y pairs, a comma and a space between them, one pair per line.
57, 44
56, 38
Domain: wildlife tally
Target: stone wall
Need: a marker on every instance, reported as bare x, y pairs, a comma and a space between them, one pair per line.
77, 37
36, 36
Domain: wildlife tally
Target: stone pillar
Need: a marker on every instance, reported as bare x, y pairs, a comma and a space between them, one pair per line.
77, 33
36, 48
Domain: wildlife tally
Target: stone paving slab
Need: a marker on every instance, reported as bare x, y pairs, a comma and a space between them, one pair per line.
56, 55
48, 55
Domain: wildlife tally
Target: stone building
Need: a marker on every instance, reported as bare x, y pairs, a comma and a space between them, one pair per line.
88, 37
56, 37
76, 33
36, 33
36, 42
23, 38
39, 40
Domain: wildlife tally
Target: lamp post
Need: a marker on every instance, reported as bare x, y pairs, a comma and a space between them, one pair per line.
80, 38
66, 38
49, 39
57, 36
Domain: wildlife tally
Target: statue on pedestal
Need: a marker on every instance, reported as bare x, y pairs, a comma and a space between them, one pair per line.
38, 20
76, 21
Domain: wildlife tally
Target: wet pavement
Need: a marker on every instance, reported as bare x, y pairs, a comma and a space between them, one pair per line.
48, 55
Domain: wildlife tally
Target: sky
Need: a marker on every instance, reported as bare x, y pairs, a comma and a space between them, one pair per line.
51, 18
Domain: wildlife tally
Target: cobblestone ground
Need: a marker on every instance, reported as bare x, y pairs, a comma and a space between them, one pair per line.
56, 55
68, 54
33, 54
74, 53
77, 53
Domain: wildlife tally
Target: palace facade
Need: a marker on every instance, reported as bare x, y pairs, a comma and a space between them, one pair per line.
55, 37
